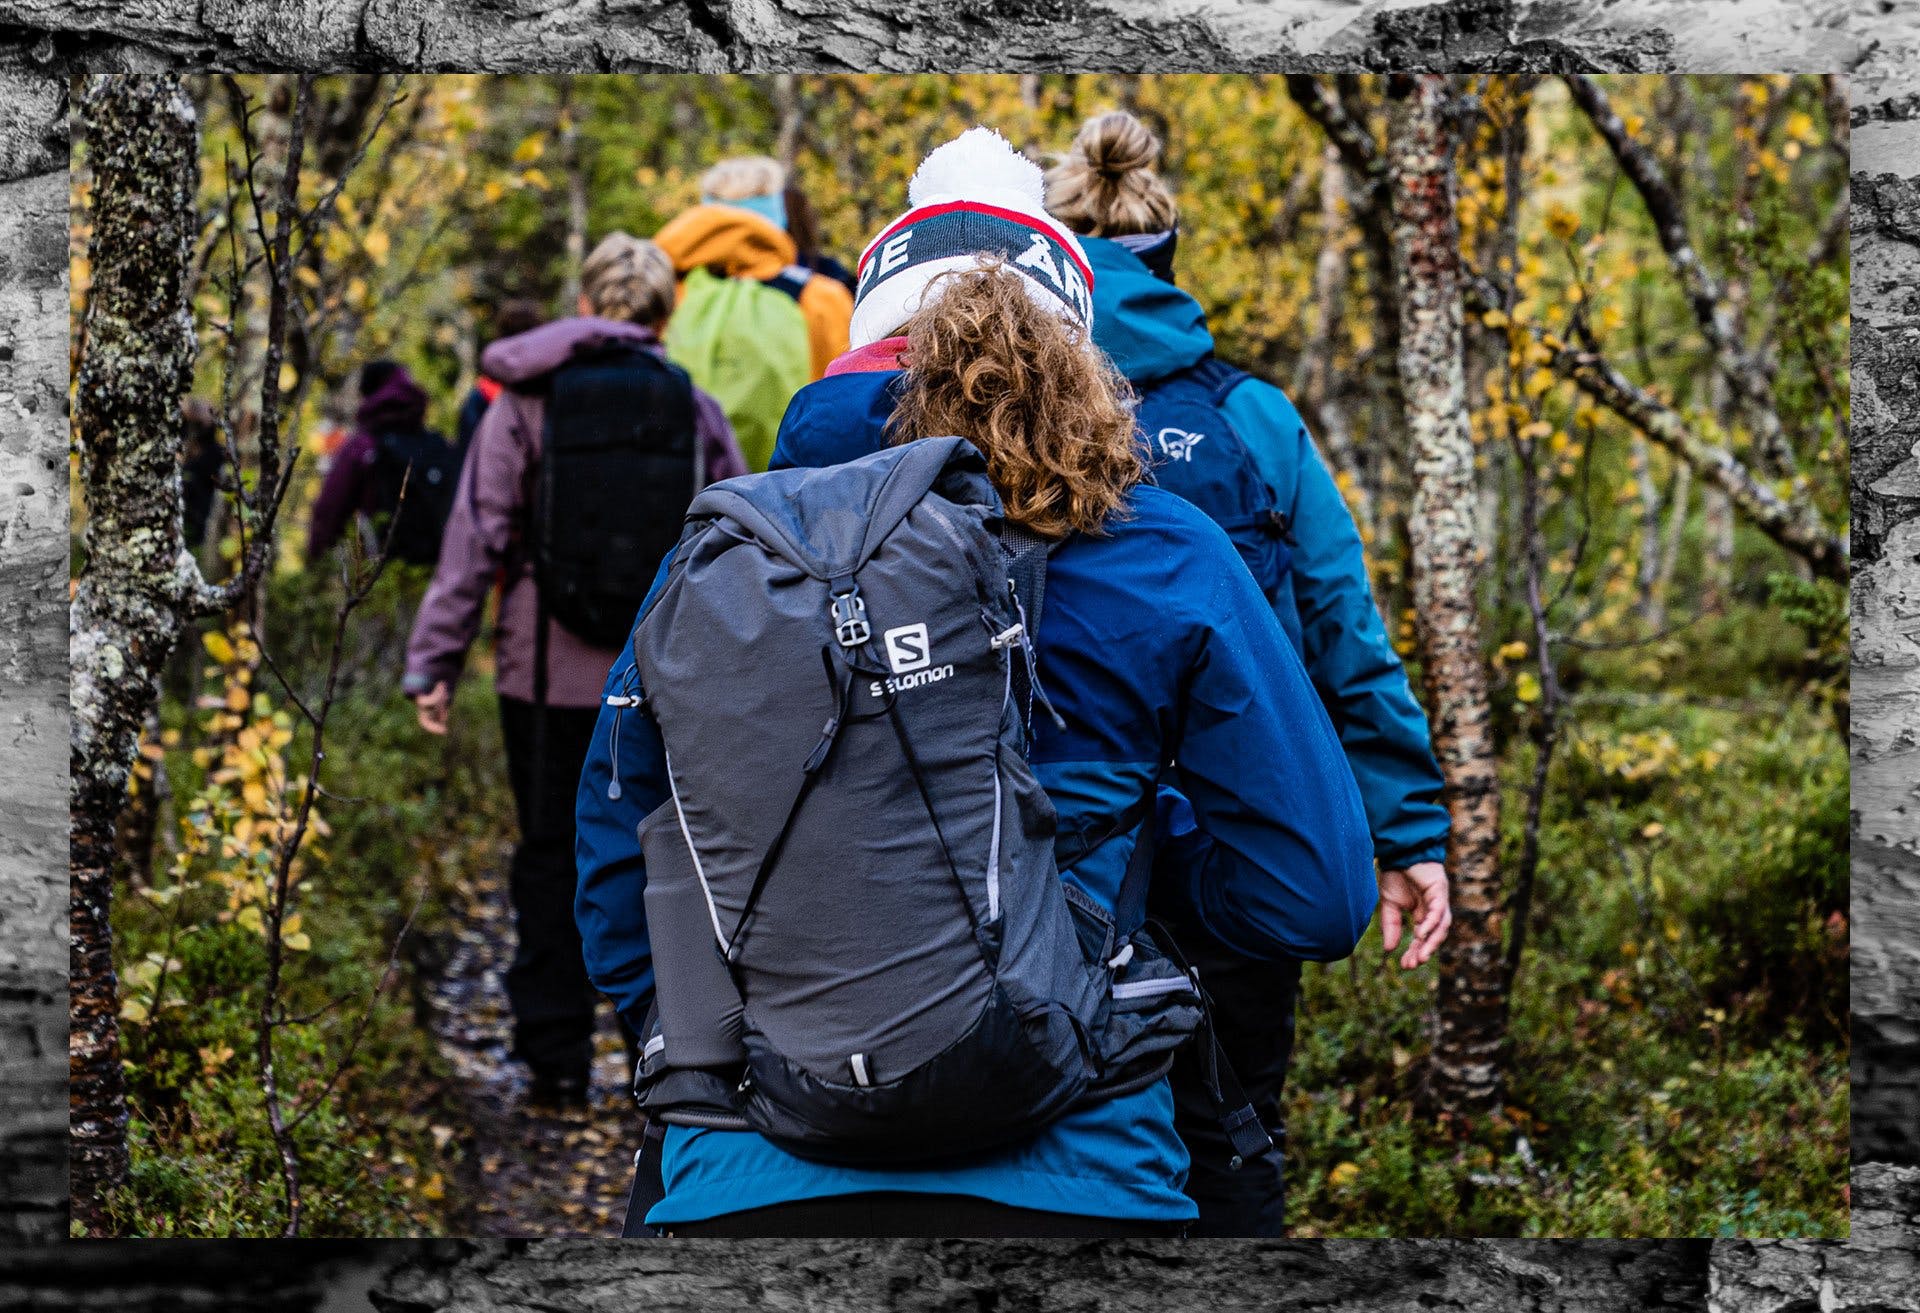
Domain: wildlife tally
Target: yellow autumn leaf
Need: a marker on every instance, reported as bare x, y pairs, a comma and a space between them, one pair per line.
1562, 222
1514, 651
1494, 319
1343, 1175
249, 919
1526, 687
378, 244
133, 1009
530, 148
217, 646
299, 943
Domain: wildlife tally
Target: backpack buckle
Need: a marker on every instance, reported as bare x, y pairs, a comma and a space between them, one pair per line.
850, 618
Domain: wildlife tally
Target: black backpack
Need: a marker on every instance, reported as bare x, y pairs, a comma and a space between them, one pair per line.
415, 474
620, 463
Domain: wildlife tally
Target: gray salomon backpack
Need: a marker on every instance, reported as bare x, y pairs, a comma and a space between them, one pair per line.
863, 948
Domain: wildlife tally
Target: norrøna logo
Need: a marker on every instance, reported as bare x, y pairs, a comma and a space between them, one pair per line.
1178, 444
910, 653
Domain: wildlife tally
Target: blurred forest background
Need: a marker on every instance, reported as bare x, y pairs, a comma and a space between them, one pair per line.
1654, 290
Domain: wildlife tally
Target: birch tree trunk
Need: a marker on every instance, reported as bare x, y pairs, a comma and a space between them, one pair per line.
127, 610
1464, 1073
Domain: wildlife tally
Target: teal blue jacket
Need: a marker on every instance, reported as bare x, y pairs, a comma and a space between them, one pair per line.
1150, 329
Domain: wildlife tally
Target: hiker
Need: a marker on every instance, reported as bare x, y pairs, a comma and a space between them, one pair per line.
578, 479
516, 316
393, 475
203, 459
1108, 192
803, 225
1133, 646
753, 325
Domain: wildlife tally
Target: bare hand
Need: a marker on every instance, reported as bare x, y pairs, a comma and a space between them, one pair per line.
1417, 895
433, 707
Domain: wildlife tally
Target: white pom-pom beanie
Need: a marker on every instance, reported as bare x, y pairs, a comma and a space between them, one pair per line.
974, 196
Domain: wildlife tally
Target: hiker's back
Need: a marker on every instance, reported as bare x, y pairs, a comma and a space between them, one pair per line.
745, 341
882, 891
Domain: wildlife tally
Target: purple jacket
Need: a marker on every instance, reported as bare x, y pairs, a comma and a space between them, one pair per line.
486, 534
396, 406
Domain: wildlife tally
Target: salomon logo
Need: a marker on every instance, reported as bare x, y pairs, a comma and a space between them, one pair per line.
880, 688
908, 648
1178, 444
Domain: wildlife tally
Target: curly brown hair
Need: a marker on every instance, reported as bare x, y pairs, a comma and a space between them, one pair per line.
1050, 414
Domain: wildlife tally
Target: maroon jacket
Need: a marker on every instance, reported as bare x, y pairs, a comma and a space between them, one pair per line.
487, 531
396, 406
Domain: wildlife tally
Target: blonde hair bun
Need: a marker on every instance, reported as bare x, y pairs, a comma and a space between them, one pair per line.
1107, 186
1117, 144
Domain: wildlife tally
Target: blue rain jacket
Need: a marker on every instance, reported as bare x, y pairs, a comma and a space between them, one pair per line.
1156, 647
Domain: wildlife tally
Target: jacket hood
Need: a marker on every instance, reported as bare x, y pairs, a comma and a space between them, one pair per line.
1146, 325
737, 243
517, 360
397, 405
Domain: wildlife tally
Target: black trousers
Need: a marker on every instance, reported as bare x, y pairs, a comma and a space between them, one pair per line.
547, 983
1253, 1007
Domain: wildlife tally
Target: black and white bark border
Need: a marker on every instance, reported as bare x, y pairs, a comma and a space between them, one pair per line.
43, 41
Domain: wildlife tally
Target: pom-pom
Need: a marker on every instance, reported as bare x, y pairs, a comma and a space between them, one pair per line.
978, 163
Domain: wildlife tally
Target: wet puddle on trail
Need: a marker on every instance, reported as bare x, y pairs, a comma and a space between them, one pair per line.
525, 1171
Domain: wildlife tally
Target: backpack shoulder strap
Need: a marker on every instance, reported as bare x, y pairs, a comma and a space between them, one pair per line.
1218, 377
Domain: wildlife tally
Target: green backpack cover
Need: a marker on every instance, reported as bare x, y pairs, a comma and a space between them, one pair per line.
745, 342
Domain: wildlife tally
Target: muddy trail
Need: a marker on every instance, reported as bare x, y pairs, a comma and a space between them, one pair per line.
525, 1171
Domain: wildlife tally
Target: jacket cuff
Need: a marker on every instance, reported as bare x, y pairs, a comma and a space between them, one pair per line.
415, 681
1399, 859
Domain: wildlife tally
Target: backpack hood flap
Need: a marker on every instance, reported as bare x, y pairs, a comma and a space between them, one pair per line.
828, 521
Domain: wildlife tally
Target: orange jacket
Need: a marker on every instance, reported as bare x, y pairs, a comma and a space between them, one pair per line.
737, 243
